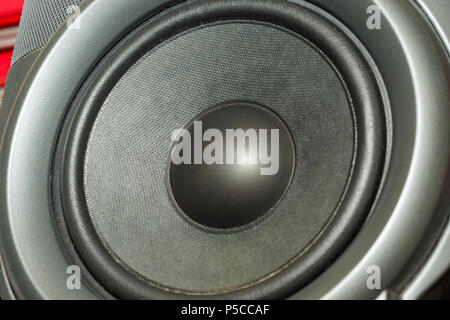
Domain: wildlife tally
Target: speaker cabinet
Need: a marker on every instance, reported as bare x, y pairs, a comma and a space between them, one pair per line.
227, 149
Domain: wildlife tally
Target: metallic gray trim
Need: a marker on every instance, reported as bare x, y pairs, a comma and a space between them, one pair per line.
437, 12
420, 155
16, 75
418, 94
434, 268
6, 291
438, 261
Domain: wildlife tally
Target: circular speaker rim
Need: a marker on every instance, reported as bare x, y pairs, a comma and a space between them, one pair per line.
26, 208
368, 160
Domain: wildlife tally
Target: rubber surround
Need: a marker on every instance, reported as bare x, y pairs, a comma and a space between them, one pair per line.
369, 155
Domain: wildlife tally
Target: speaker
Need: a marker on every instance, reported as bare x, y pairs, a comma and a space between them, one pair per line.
226, 149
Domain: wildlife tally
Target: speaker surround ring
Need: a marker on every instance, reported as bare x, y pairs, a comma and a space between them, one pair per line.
365, 175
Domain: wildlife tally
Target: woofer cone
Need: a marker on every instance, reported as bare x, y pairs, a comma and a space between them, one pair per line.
368, 162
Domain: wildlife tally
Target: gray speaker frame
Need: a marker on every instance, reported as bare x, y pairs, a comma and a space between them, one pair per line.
413, 191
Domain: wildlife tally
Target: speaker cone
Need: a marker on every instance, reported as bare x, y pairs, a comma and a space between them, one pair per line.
141, 227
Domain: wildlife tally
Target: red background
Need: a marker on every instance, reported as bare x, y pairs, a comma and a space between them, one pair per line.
10, 11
